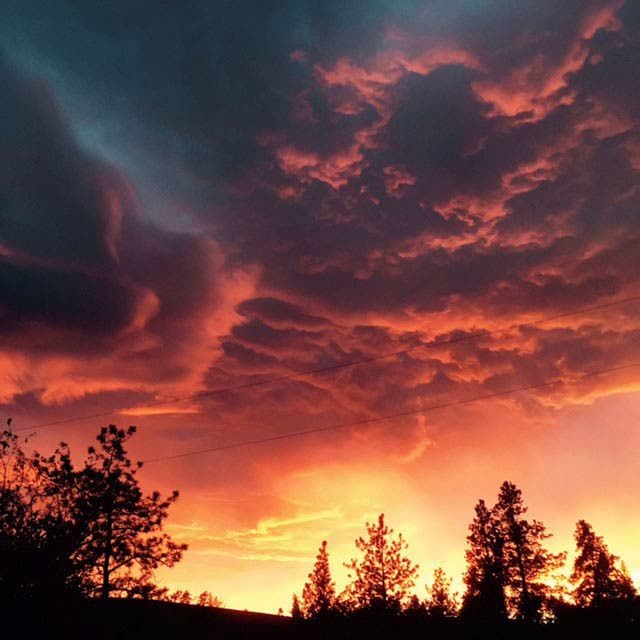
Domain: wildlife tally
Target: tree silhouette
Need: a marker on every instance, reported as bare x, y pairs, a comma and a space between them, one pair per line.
415, 607
319, 593
596, 574
39, 525
206, 599
526, 561
296, 611
125, 542
179, 596
484, 577
441, 603
384, 576
19, 520
87, 532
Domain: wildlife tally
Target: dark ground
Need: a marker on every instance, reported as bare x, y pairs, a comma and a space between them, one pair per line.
140, 620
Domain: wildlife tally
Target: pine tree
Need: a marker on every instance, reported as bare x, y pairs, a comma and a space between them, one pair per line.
124, 542
415, 607
484, 578
441, 603
296, 611
207, 599
527, 563
384, 576
319, 593
596, 573
175, 596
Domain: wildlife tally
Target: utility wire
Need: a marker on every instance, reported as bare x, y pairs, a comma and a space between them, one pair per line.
364, 421
334, 367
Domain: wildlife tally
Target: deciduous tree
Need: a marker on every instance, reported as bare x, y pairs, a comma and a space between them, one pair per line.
39, 525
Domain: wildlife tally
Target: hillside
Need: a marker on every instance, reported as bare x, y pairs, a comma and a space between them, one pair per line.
140, 620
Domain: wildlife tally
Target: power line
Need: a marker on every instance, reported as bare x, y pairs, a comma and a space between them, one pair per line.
342, 365
354, 423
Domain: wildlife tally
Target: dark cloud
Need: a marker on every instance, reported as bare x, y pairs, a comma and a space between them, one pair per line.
81, 270
197, 83
279, 311
385, 172
58, 266
53, 202
437, 121
63, 299
258, 332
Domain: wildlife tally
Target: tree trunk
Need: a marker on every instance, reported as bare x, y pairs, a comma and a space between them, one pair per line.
525, 600
526, 603
107, 554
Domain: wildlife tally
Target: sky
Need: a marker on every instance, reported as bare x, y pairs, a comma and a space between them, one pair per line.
198, 196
